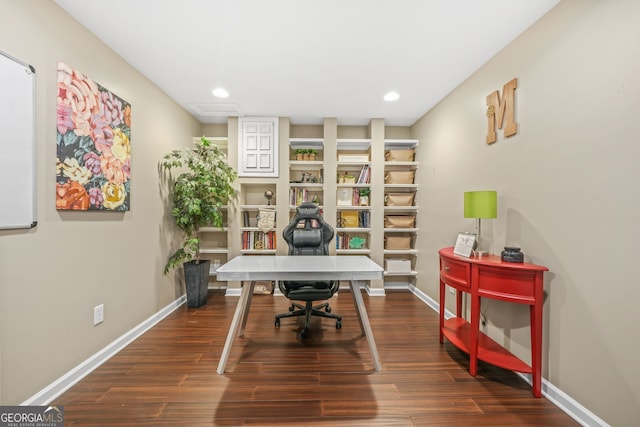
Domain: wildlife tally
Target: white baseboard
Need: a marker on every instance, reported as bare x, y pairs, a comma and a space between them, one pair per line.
374, 292
62, 384
233, 292
556, 396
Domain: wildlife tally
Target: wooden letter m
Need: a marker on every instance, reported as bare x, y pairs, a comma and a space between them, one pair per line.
496, 108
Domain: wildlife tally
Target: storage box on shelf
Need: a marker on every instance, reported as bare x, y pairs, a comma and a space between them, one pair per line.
400, 210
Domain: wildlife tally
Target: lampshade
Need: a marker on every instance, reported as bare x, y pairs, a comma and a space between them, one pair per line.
480, 204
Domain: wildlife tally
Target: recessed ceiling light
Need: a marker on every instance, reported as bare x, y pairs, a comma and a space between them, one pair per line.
391, 96
220, 92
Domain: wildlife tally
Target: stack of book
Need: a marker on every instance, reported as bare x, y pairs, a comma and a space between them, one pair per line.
258, 240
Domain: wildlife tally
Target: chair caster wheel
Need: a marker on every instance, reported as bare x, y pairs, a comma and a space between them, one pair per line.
304, 333
291, 308
277, 322
328, 309
339, 324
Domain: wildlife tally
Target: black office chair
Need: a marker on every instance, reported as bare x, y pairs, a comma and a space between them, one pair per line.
308, 234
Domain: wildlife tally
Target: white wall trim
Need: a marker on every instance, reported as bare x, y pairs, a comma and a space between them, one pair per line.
373, 292
62, 384
233, 292
556, 396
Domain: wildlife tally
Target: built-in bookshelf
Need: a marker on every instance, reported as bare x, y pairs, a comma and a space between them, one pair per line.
353, 191
400, 210
343, 170
257, 201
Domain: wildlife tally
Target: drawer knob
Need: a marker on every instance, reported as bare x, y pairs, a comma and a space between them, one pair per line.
446, 268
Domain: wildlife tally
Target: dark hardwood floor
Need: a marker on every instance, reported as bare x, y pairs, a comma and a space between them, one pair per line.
168, 376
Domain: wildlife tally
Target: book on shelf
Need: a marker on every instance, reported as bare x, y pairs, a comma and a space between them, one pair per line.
258, 240
349, 219
364, 219
365, 175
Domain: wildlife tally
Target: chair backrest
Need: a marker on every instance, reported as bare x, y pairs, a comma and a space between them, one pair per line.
308, 233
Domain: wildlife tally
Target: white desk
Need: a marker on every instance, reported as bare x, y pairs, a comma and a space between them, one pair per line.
267, 267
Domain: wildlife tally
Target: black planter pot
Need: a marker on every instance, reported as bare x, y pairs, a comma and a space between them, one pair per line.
196, 278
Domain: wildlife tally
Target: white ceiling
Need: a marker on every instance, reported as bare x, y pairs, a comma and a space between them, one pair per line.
307, 59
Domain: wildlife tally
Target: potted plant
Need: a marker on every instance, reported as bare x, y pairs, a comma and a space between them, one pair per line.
300, 152
204, 185
364, 196
312, 154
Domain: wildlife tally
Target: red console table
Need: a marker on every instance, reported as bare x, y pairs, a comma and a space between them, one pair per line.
490, 277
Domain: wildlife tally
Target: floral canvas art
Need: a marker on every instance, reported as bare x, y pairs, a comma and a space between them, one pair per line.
93, 145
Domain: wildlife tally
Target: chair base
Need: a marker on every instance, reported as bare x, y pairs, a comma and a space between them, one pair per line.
309, 310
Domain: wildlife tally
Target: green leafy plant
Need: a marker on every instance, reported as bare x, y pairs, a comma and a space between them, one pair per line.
364, 191
203, 187
301, 151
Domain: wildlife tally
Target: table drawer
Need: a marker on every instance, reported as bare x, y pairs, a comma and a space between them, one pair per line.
514, 286
455, 273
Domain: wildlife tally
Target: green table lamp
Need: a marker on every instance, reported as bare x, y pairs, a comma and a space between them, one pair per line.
478, 205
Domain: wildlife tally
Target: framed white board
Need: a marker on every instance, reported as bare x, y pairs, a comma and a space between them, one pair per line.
17, 144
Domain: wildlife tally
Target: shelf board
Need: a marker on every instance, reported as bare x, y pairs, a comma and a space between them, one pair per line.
293, 208
256, 207
406, 273
213, 229
401, 208
349, 144
400, 230
353, 251
254, 229
306, 184
352, 208
458, 331
394, 186
305, 164
352, 230
307, 143
401, 165
258, 251
353, 185
341, 164
214, 250
400, 144
400, 252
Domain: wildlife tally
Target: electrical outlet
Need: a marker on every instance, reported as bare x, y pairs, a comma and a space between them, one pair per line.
451, 290
98, 314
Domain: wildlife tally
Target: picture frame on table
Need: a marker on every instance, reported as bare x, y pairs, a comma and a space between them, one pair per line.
464, 244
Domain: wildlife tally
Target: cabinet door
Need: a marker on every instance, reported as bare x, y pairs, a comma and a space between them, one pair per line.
258, 146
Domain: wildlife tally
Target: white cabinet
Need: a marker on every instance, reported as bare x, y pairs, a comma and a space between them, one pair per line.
258, 146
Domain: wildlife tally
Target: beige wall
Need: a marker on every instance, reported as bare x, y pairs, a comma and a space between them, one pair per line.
51, 277
566, 193
565, 183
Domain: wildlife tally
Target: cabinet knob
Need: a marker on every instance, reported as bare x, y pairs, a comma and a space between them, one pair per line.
446, 268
